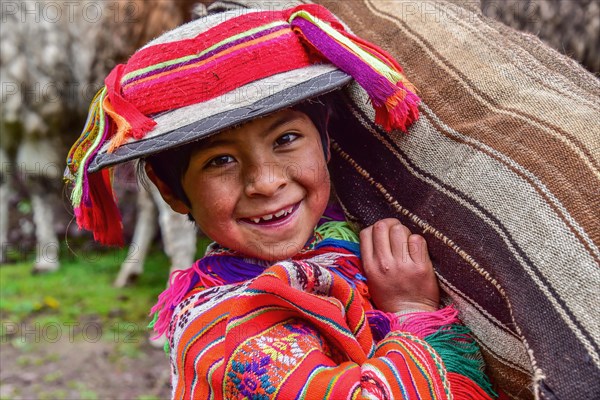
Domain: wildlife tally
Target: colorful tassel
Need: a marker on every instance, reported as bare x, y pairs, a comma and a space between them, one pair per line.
465, 388
423, 324
452, 341
106, 218
337, 230
130, 121
180, 283
396, 107
83, 147
462, 358
92, 196
380, 324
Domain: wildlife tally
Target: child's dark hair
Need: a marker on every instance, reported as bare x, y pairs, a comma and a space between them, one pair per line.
170, 165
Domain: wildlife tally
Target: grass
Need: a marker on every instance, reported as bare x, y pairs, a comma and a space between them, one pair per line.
81, 293
78, 302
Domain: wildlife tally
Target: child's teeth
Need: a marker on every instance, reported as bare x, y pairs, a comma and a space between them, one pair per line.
271, 216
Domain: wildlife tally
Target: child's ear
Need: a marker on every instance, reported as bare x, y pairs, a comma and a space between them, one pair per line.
165, 191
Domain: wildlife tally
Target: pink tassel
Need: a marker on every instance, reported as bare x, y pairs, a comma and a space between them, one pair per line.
423, 324
179, 286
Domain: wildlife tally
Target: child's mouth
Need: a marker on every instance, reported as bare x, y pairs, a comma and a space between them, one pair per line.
274, 218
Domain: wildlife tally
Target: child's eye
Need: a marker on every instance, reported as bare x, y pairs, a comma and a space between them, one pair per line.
286, 138
219, 161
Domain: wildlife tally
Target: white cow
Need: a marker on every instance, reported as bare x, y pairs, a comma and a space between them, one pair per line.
55, 56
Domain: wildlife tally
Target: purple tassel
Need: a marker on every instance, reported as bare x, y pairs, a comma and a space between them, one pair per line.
395, 106
380, 324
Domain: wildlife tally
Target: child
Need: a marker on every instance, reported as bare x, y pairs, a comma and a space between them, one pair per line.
281, 305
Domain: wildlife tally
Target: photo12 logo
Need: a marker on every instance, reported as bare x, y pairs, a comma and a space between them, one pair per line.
53, 332
68, 11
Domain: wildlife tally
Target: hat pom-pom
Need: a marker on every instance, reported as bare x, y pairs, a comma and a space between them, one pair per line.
399, 111
394, 102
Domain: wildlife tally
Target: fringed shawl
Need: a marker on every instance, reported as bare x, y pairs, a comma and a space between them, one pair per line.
239, 328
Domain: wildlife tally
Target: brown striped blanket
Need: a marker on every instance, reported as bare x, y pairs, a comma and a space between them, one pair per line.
501, 174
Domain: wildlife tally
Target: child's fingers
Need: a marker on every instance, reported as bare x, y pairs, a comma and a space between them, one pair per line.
381, 243
417, 249
366, 246
399, 235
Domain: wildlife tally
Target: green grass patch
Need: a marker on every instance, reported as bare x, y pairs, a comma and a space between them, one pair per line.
81, 293
82, 286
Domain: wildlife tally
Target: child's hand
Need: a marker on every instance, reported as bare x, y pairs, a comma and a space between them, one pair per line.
399, 272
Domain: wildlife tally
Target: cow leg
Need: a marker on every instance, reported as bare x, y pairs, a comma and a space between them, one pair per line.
3, 217
178, 234
47, 250
145, 229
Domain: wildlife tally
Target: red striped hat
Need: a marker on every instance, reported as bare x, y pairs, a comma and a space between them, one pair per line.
215, 73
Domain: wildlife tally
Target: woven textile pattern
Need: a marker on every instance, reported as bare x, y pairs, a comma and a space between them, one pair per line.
305, 328
500, 174
282, 336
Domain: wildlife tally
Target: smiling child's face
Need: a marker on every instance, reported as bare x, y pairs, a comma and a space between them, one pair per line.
260, 188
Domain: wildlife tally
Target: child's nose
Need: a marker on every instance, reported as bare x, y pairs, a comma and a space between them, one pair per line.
264, 179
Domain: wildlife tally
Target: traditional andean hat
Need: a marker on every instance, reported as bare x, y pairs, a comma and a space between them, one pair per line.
215, 73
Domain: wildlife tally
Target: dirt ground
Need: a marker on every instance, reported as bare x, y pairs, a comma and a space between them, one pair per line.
42, 365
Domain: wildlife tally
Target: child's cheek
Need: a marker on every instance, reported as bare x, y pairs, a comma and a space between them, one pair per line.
219, 208
309, 170
214, 203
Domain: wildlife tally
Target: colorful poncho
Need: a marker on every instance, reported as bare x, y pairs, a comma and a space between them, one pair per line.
305, 328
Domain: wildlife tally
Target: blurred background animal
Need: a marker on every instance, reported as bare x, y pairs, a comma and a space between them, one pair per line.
570, 26
54, 59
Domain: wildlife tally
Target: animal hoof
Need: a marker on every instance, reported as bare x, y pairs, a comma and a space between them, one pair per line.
43, 267
159, 343
126, 279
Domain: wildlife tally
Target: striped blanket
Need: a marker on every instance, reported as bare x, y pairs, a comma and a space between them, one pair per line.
501, 174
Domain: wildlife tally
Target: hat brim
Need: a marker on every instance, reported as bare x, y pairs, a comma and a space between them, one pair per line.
192, 123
